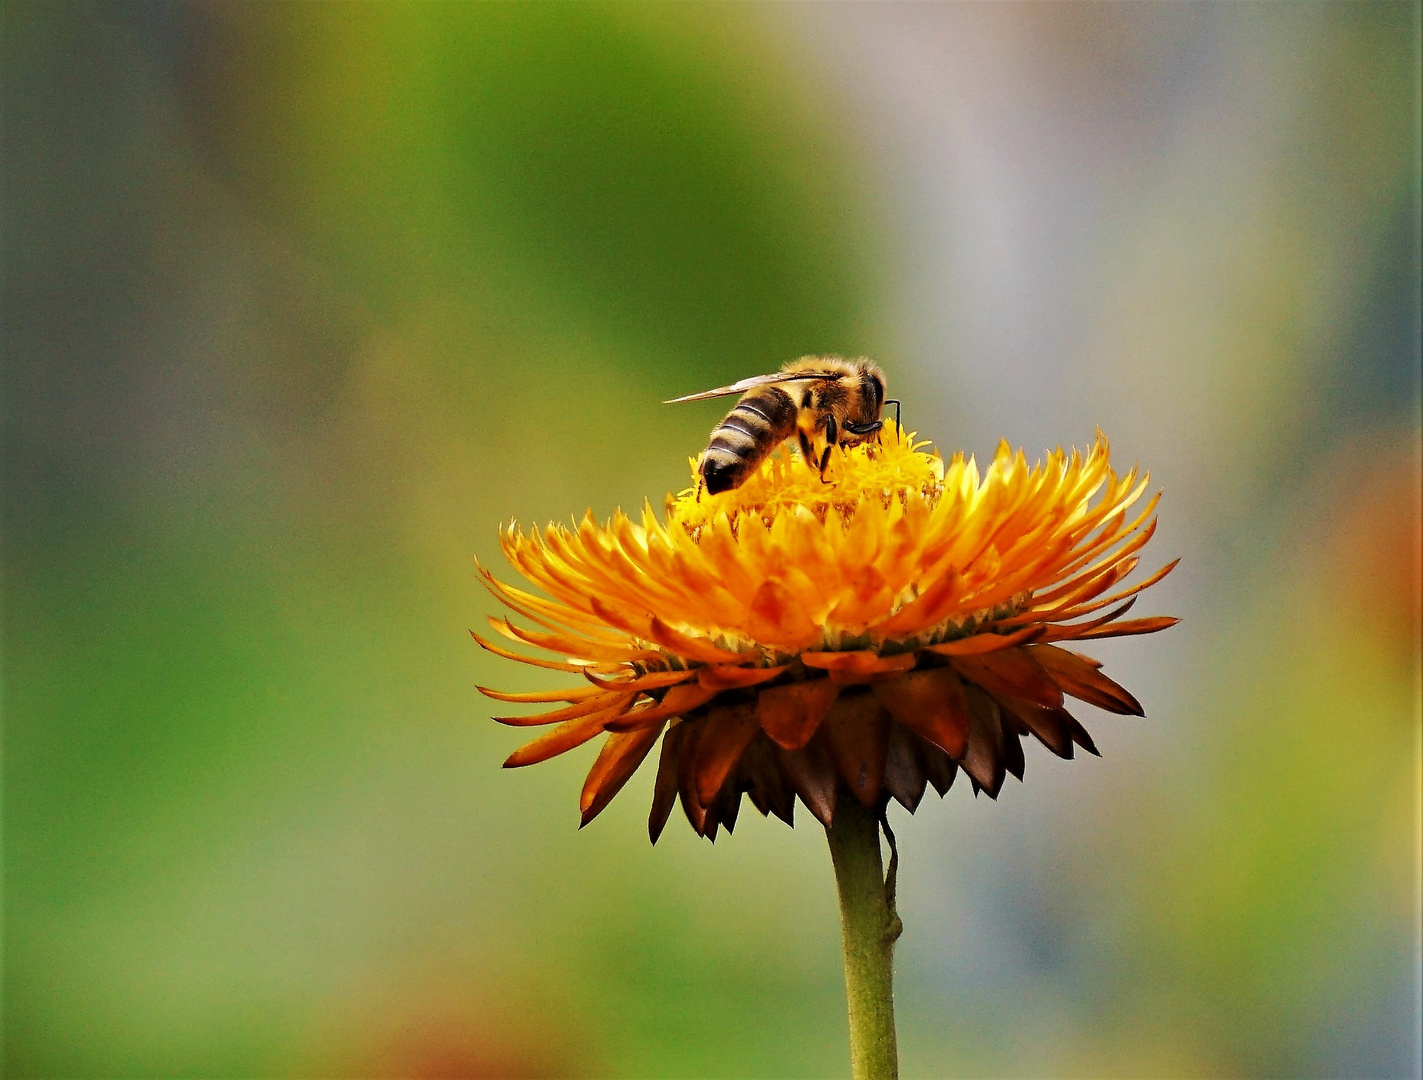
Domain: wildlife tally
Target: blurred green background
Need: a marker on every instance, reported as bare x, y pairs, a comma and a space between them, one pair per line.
302, 300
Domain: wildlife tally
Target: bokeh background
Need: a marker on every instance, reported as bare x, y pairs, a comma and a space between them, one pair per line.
302, 300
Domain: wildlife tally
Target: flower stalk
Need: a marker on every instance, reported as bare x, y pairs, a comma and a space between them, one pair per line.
870, 927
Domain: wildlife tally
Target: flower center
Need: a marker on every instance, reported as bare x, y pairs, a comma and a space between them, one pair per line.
884, 471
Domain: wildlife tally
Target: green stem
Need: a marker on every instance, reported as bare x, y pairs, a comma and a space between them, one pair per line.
870, 928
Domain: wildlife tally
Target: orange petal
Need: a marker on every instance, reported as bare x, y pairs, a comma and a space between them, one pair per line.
1079, 678
722, 812
1074, 573
886, 667
1079, 733
925, 609
687, 776
1011, 671
548, 613
856, 731
664, 788
1089, 586
728, 732
1131, 626
791, 713
727, 677
577, 693
533, 661
581, 708
1107, 601
653, 680
904, 776
1124, 554
566, 736
776, 618
1064, 632
812, 773
932, 703
570, 644
618, 760
984, 760
769, 790
858, 664
987, 642
690, 647
680, 699
615, 617
1013, 732
1051, 726
868, 598
857, 660
938, 766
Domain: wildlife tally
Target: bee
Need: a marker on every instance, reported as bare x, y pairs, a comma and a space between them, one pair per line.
815, 399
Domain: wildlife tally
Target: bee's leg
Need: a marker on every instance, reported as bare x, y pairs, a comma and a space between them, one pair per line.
807, 452
832, 440
699, 489
895, 403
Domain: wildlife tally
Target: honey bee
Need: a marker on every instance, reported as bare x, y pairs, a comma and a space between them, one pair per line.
817, 399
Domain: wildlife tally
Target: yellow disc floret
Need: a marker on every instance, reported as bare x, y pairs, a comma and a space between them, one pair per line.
894, 466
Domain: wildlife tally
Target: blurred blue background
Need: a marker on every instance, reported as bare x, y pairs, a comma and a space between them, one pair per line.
302, 300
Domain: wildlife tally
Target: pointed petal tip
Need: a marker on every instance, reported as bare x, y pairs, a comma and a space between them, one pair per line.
586, 814
656, 822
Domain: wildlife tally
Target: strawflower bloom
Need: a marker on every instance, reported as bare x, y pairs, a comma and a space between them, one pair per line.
868, 636
843, 643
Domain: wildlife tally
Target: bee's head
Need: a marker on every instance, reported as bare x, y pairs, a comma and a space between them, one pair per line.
874, 390
867, 404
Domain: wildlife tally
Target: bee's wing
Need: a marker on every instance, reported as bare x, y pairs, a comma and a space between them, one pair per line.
755, 381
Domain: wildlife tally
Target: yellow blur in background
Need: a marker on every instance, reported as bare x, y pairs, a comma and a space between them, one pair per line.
302, 301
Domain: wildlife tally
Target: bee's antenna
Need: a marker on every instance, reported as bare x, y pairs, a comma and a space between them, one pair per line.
895, 403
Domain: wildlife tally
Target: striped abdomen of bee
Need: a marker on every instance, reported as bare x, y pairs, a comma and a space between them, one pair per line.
759, 422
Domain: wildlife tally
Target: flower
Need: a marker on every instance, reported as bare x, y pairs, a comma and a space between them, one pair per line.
862, 636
